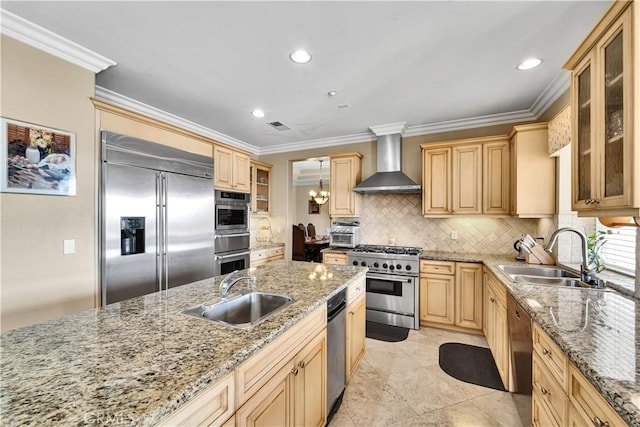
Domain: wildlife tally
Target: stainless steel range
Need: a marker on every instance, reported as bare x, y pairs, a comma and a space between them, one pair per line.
392, 283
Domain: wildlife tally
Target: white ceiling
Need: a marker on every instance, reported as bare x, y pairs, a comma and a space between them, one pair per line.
431, 64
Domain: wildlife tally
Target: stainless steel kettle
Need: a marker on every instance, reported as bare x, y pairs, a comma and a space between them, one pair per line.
522, 252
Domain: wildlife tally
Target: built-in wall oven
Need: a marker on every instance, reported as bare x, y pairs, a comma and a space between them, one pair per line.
231, 232
230, 261
232, 212
392, 283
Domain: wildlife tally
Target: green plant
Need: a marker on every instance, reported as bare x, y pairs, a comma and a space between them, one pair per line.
595, 242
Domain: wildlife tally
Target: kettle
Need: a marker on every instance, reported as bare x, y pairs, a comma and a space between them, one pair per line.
517, 245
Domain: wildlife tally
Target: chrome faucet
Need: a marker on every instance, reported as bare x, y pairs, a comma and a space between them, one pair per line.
225, 286
585, 269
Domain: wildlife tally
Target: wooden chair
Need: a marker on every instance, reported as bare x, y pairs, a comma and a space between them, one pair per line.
298, 248
311, 231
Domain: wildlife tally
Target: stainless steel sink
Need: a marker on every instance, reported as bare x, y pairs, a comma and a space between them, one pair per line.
556, 281
534, 270
242, 312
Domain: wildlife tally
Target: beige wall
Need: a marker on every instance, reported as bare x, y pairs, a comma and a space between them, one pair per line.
37, 281
321, 221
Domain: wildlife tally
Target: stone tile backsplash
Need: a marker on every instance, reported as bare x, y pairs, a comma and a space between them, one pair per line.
397, 219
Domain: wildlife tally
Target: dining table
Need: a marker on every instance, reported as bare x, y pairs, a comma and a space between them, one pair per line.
314, 247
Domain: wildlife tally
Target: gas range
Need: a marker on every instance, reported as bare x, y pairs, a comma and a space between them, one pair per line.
399, 260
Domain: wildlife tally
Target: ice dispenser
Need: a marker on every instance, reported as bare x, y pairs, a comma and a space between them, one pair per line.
131, 235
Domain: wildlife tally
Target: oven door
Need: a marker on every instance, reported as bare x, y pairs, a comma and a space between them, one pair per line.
341, 240
232, 217
391, 293
227, 262
231, 242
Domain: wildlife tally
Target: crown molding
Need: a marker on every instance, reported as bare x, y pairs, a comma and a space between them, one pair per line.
318, 143
36, 36
551, 93
389, 129
156, 113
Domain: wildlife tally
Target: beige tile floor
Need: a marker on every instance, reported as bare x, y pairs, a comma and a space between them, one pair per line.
401, 385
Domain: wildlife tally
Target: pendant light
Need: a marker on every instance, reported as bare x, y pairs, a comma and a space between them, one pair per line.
322, 196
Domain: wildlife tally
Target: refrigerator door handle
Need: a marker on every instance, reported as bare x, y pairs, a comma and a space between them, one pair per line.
165, 233
159, 257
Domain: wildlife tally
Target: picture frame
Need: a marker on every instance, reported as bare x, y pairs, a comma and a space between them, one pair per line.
314, 208
36, 159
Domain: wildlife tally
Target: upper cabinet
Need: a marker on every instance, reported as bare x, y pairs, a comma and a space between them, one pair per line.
260, 188
346, 173
466, 177
533, 172
605, 86
232, 169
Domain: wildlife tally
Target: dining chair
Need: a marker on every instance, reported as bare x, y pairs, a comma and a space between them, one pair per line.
311, 231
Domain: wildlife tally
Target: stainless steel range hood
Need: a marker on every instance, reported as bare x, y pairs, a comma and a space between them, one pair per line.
389, 177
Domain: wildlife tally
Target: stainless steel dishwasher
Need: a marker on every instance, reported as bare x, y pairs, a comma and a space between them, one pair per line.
521, 344
335, 352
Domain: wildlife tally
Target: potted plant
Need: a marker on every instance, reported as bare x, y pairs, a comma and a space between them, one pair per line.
595, 242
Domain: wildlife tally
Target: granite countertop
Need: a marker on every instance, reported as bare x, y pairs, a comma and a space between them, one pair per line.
135, 362
597, 329
331, 250
264, 246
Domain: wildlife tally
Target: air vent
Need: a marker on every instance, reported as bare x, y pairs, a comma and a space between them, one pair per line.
279, 125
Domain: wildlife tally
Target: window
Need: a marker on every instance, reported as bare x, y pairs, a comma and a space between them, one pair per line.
620, 250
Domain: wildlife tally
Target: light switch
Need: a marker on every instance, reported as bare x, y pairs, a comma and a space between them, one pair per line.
454, 235
69, 246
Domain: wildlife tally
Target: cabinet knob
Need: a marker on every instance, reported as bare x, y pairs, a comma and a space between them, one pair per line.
545, 392
301, 364
546, 352
492, 299
598, 422
294, 371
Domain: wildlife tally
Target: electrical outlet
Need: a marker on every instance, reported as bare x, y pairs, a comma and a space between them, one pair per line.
454, 235
69, 247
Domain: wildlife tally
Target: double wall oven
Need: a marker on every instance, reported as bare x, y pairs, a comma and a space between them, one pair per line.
392, 283
231, 232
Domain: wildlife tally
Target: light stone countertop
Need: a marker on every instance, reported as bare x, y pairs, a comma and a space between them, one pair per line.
599, 330
332, 250
135, 362
263, 246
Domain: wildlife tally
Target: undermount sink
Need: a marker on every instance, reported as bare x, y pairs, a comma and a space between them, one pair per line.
534, 270
242, 312
539, 280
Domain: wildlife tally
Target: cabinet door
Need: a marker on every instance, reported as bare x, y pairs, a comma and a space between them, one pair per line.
467, 179
436, 182
342, 200
272, 404
495, 188
436, 298
310, 374
468, 294
355, 334
260, 189
241, 172
223, 168
336, 259
502, 343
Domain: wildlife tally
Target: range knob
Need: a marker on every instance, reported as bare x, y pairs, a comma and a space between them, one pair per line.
355, 262
391, 267
385, 265
364, 264
376, 265
399, 267
408, 267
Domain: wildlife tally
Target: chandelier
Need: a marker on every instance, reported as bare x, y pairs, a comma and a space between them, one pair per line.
321, 197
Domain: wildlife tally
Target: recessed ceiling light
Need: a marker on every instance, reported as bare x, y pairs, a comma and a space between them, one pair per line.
257, 113
300, 56
332, 93
529, 63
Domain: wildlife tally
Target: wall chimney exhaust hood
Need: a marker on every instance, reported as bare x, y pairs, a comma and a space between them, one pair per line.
389, 177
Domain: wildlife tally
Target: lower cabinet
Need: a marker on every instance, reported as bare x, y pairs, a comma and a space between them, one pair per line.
334, 258
356, 327
495, 324
451, 294
266, 255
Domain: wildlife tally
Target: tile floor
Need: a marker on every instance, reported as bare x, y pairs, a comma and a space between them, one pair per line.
401, 385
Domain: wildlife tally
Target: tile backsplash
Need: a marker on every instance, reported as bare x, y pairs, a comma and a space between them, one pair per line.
397, 219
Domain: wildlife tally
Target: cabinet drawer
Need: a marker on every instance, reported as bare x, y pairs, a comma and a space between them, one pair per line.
551, 356
211, 407
589, 403
276, 252
437, 267
337, 259
354, 290
258, 255
540, 412
549, 391
499, 290
257, 370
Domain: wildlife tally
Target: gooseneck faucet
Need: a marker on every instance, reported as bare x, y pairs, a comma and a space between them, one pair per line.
225, 286
585, 270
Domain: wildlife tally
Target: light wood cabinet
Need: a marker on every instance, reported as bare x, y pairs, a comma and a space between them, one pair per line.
266, 255
355, 327
495, 324
231, 169
589, 403
310, 384
334, 258
260, 178
451, 295
272, 404
605, 90
466, 177
345, 173
550, 393
533, 172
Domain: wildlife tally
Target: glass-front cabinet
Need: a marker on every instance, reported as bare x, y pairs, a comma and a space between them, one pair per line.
605, 150
260, 188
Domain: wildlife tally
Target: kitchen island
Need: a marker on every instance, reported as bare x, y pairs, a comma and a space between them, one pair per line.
137, 361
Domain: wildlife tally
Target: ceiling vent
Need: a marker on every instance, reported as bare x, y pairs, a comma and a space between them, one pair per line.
279, 125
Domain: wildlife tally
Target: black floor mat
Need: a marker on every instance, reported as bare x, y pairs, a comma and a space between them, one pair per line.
379, 331
470, 364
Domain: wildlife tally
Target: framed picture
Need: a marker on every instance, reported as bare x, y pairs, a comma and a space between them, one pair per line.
314, 208
36, 160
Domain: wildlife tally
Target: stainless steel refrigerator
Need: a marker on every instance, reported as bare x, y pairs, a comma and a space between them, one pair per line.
157, 217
